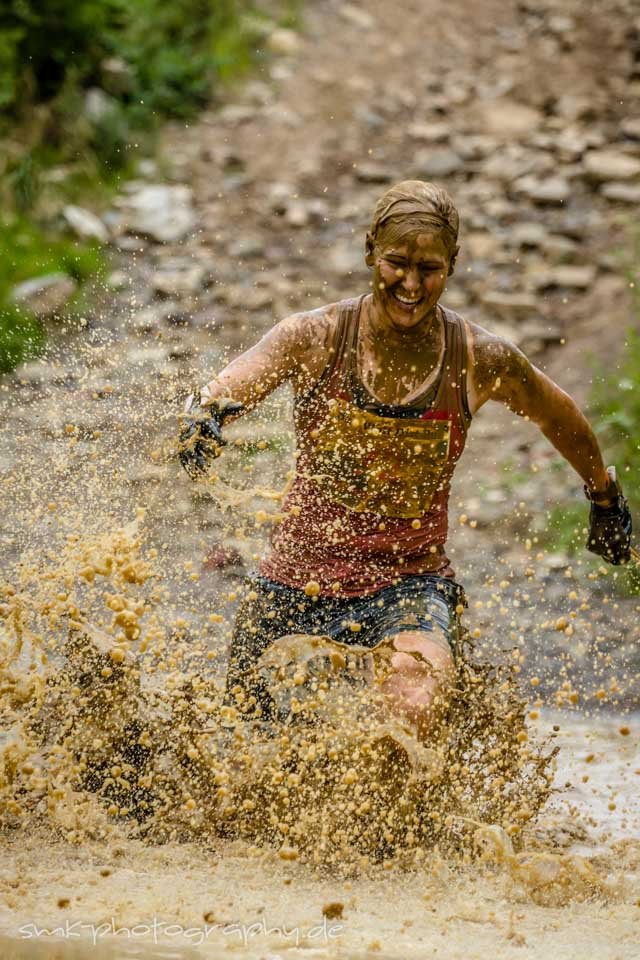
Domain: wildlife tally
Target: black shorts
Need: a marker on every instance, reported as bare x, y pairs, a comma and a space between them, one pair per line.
272, 610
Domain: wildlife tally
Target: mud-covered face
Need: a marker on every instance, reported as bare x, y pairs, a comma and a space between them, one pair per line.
409, 278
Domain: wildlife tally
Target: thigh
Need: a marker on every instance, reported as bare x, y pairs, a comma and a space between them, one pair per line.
268, 612
420, 610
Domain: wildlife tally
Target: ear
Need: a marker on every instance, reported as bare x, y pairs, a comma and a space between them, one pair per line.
369, 257
452, 261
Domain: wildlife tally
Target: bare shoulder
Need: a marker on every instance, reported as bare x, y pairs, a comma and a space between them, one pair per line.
496, 366
308, 338
309, 330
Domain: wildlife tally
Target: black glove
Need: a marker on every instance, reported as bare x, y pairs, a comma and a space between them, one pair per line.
610, 525
201, 435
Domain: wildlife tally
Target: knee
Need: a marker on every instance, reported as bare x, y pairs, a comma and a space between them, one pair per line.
418, 654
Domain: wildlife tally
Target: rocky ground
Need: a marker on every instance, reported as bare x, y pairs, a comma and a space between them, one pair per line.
529, 113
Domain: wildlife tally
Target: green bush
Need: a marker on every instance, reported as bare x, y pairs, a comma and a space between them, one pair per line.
21, 337
84, 84
153, 57
27, 251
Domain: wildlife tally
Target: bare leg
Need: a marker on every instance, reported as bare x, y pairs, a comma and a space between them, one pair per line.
417, 687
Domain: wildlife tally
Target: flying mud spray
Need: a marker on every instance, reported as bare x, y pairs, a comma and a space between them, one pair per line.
130, 790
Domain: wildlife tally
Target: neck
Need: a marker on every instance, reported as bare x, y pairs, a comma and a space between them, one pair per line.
385, 332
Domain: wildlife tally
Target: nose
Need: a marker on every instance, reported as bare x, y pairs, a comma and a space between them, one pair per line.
411, 279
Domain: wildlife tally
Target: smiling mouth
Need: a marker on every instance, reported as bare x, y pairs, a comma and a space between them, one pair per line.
407, 301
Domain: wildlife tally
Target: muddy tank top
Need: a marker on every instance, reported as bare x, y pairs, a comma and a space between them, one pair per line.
369, 501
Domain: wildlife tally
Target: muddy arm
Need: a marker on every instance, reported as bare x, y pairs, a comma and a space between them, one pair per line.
295, 350
500, 371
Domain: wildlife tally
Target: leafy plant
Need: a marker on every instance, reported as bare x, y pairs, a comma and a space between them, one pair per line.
84, 85
21, 337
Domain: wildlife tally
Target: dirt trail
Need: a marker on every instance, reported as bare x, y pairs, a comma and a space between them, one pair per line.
527, 112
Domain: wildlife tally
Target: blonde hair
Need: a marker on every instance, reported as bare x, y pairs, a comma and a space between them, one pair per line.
410, 207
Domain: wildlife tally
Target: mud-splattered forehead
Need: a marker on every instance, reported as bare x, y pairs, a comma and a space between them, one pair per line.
422, 203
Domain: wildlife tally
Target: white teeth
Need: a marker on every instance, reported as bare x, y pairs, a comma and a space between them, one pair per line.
406, 299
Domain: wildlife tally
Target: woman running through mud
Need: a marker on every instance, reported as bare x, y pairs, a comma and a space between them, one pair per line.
386, 386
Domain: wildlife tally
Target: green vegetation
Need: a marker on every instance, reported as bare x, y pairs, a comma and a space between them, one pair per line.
615, 412
25, 252
84, 87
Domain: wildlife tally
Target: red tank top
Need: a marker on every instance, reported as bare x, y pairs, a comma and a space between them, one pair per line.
369, 502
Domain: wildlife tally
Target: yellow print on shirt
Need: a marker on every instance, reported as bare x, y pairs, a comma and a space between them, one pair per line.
386, 465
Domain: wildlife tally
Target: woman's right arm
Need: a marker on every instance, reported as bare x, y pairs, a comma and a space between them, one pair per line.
295, 350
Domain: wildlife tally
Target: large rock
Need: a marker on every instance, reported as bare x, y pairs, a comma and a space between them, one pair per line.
610, 165
571, 277
164, 213
438, 162
529, 234
550, 191
482, 245
346, 257
178, 281
283, 41
85, 224
429, 131
45, 296
509, 305
622, 192
356, 15
508, 164
508, 119
630, 127
117, 76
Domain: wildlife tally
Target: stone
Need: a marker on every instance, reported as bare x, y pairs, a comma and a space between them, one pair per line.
438, 162
429, 132
279, 195
550, 191
346, 257
561, 24
84, 223
509, 305
571, 277
147, 356
151, 318
508, 119
130, 244
357, 16
248, 298
178, 278
147, 168
247, 247
364, 114
117, 76
482, 245
559, 248
45, 296
374, 173
622, 192
164, 213
572, 142
297, 214
538, 333
98, 104
283, 41
631, 128
118, 279
610, 165
573, 107
474, 147
529, 234
508, 164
